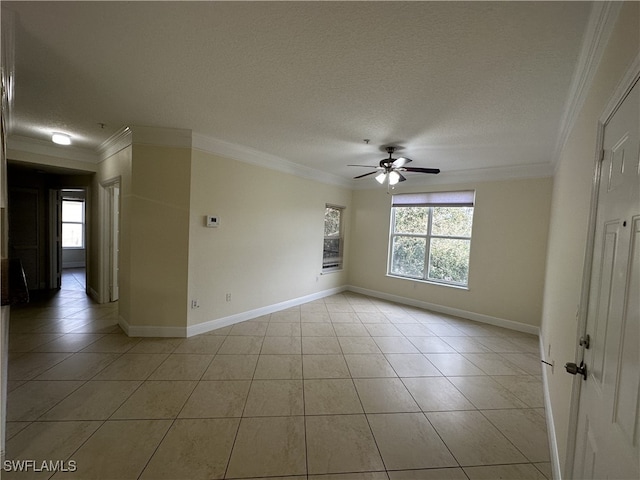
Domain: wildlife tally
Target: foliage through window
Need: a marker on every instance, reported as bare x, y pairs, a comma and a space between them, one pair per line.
333, 238
72, 224
431, 237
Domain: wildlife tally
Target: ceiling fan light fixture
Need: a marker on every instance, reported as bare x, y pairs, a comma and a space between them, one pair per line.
61, 139
394, 177
381, 178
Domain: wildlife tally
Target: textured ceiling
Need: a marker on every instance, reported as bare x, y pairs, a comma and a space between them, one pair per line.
460, 85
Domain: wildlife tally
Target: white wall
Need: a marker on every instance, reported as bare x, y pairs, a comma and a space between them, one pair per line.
508, 248
570, 218
268, 247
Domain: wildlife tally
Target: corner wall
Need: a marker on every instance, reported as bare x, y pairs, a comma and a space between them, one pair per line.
268, 247
508, 249
570, 222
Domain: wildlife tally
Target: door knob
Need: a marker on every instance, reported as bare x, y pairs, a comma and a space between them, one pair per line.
574, 369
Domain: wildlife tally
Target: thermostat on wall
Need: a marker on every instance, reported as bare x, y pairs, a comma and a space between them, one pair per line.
212, 220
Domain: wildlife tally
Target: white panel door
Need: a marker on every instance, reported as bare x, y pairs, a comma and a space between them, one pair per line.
608, 425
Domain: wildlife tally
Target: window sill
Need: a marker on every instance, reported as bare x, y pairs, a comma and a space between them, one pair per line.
429, 282
328, 272
73, 248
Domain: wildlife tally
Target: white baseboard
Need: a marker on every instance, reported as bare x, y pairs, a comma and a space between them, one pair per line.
258, 312
551, 430
93, 294
477, 317
151, 330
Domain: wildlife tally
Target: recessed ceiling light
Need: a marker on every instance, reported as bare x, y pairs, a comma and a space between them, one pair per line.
61, 139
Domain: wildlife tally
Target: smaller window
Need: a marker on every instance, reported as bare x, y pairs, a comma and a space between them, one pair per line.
72, 224
333, 238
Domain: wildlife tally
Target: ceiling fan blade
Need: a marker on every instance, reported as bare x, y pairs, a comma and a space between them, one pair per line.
402, 177
421, 170
366, 174
399, 162
368, 166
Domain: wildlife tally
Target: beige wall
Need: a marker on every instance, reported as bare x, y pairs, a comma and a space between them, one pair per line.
508, 248
570, 219
268, 247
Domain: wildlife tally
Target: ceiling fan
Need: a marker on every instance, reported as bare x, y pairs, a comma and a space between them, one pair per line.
390, 169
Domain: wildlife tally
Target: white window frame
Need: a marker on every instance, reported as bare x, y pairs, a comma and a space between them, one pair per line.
429, 200
337, 265
82, 223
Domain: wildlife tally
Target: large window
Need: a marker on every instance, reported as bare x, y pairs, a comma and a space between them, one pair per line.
72, 224
333, 238
431, 236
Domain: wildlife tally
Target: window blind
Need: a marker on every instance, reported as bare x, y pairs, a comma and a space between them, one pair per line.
462, 198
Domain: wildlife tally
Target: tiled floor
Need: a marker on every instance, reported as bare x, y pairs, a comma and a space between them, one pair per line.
347, 387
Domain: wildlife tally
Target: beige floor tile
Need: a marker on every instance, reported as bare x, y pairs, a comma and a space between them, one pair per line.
278, 367
286, 316
466, 345
156, 345
432, 345
315, 317
545, 468
217, 399
281, 345
524, 471
369, 366
395, 345
320, 345
473, 440
358, 345
435, 394
231, 367
79, 366
385, 395
340, 312
453, 364
70, 342
182, 366
525, 429
324, 366
499, 344
412, 365
93, 401
444, 330
156, 399
269, 446
132, 366
526, 343
529, 362
131, 442
257, 329
372, 317
26, 366
200, 344
241, 346
341, 443
331, 397
414, 330
485, 392
493, 364
318, 330
29, 401
351, 476
270, 398
13, 428
526, 388
383, 330
408, 441
41, 441
26, 342
112, 343
281, 329
350, 330
222, 331
190, 451
430, 474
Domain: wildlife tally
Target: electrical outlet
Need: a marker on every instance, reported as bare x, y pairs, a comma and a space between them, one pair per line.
195, 304
228, 297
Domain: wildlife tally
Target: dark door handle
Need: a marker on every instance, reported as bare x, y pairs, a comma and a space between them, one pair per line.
574, 369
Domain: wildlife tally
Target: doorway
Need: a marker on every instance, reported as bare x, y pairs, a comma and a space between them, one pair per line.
111, 240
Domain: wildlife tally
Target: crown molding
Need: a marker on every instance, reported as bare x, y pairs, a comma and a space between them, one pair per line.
601, 23
47, 148
255, 157
116, 142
